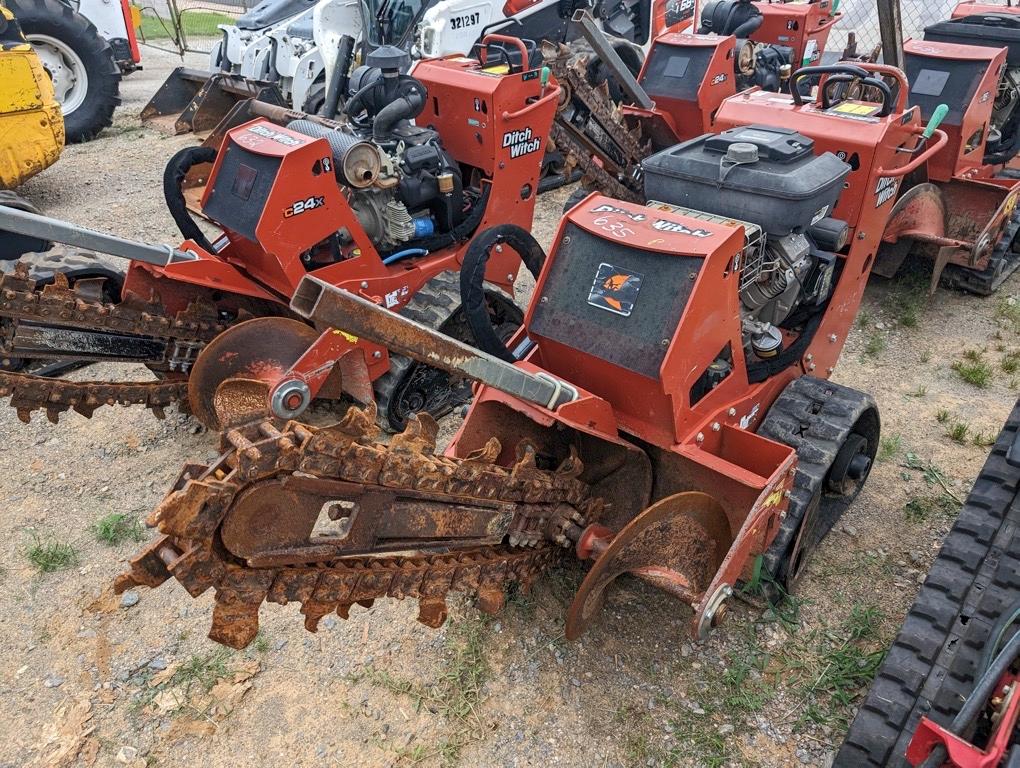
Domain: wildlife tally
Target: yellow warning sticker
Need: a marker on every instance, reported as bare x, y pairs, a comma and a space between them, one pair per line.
849, 108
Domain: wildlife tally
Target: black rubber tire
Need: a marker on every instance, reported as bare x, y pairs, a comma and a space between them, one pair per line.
12, 246
934, 661
58, 20
315, 98
75, 265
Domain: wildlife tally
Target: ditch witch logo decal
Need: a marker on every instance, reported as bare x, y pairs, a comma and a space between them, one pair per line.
662, 225
521, 142
615, 289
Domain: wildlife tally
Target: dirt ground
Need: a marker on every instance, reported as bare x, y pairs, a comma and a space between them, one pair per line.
89, 679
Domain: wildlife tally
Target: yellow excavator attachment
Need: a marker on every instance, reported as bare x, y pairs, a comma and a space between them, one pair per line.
31, 125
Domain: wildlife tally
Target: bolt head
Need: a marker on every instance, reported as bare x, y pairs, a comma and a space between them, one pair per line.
732, 412
716, 426
364, 283
811, 367
377, 354
832, 337
701, 437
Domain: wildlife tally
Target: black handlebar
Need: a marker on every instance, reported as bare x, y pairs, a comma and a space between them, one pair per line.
844, 73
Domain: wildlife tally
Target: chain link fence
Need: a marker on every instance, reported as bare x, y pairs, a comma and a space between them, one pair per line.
861, 17
190, 25
187, 25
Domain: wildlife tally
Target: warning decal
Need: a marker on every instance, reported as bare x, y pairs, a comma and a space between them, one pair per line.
615, 289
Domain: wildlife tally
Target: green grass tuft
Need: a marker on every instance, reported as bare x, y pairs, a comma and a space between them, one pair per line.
1011, 362
958, 432
49, 555
907, 300
920, 509
974, 371
118, 527
875, 345
1008, 311
454, 695
889, 447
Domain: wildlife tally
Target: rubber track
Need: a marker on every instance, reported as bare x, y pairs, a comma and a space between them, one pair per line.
1004, 262
436, 305
931, 665
813, 416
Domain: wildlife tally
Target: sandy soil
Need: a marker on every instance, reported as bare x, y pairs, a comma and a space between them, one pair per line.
87, 679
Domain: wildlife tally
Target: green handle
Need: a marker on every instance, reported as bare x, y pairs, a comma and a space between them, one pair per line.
936, 120
545, 76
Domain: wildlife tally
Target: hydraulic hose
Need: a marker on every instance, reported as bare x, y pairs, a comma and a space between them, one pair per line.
978, 699
173, 178
472, 281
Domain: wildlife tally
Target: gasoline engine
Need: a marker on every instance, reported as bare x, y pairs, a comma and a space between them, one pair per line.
771, 182
765, 65
402, 184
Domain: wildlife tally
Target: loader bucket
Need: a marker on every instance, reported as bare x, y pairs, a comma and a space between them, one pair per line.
196, 100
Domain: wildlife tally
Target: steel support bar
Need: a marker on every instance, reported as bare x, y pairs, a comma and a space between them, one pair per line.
600, 44
45, 228
890, 24
326, 304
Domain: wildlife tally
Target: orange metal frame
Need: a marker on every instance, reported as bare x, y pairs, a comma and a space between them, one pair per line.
712, 444
794, 25
471, 108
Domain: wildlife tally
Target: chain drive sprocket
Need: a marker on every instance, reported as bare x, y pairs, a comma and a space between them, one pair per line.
81, 307
198, 520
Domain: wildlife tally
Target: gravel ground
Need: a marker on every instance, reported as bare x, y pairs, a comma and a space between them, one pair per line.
90, 679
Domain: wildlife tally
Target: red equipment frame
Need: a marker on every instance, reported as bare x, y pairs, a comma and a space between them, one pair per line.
800, 26
473, 111
959, 220
960, 752
712, 443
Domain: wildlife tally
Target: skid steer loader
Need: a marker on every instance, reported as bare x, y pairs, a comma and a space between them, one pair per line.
286, 51
80, 62
31, 128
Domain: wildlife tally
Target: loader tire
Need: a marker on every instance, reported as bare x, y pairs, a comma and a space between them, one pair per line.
79, 61
12, 246
934, 661
827, 424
